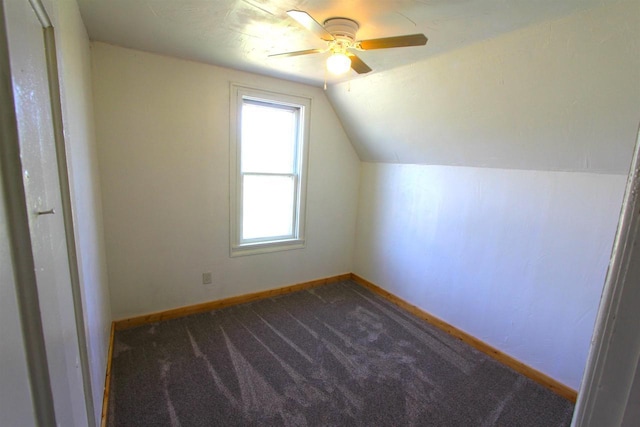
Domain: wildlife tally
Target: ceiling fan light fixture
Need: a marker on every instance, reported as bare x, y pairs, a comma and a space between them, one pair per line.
340, 36
338, 63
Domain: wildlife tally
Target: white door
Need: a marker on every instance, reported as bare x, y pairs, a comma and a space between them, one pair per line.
28, 63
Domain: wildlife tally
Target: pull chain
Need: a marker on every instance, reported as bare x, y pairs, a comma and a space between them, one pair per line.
325, 78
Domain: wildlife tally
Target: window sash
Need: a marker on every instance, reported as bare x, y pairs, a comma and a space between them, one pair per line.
294, 208
296, 133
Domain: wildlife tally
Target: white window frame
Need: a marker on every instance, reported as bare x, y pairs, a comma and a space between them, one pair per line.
302, 105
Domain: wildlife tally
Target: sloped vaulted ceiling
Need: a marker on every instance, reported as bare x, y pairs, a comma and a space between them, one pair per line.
560, 95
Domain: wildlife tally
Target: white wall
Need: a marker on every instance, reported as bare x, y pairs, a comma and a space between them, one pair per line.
515, 258
163, 145
74, 64
507, 246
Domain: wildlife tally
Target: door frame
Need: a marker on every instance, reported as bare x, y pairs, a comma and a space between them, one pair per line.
615, 345
20, 242
65, 199
19, 231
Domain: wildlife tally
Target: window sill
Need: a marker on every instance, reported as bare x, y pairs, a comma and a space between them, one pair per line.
266, 247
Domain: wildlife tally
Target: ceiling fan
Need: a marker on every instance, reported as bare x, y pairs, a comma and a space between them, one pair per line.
340, 35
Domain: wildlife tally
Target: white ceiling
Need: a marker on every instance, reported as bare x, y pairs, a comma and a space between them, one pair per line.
240, 34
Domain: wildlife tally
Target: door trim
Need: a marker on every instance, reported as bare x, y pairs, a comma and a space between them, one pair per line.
67, 207
20, 242
609, 374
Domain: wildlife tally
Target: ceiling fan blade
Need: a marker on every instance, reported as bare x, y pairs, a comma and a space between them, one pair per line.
399, 41
358, 64
298, 53
310, 24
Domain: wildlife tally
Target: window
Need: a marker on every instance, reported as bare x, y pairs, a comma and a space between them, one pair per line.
269, 139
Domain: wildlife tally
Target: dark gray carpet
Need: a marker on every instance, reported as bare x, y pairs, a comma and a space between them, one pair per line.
335, 355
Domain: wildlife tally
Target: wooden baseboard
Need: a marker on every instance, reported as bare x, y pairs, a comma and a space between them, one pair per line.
213, 305
107, 379
553, 385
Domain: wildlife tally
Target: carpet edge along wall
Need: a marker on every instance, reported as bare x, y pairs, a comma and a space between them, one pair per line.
546, 381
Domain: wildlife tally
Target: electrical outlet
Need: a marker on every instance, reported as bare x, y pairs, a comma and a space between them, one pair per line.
206, 278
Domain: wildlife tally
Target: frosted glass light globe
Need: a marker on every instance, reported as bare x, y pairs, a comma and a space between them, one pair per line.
338, 63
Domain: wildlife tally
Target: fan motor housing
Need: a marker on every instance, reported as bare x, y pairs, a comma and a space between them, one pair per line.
343, 29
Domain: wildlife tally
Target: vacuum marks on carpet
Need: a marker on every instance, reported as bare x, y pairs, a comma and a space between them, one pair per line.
334, 355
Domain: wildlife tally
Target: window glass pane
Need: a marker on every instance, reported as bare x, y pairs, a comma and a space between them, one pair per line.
268, 138
267, 206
